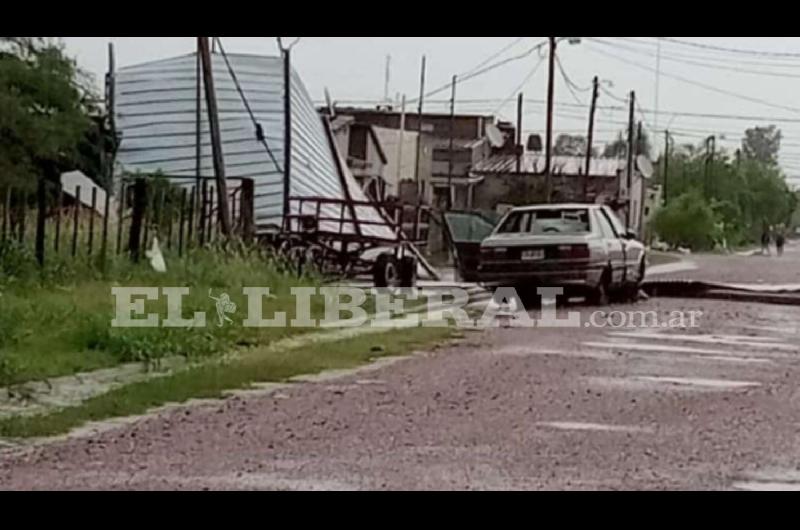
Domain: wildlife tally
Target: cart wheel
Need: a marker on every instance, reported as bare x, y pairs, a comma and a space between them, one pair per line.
408, 271
385, 271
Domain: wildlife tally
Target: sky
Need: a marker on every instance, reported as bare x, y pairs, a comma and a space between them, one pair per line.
695, 77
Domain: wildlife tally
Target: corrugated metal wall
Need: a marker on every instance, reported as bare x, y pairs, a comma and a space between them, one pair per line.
155, 112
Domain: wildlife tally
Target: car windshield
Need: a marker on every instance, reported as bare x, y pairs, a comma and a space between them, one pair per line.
547, 222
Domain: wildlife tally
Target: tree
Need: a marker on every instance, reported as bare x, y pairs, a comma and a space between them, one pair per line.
570, 145
43, 110
762, 144
619, 147
688, 221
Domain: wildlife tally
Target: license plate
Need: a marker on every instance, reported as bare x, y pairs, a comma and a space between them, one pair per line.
532, 255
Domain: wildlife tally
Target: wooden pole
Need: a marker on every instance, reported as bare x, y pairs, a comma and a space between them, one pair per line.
287, 132
549, 133
59, 212
450, 150
216, 138
519, 133
75, 218
419, 123
629, 166
41, 216
590, 140
91, 220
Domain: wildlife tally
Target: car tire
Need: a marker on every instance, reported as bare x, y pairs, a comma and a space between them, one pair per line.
386, 271
408, 271
599, 296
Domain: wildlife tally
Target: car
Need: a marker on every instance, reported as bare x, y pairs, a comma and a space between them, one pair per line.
583, 247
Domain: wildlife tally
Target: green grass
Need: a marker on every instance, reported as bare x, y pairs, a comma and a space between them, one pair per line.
211, 380
57, 322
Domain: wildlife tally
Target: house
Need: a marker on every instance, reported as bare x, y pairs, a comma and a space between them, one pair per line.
433, 138
496, 183
364, 155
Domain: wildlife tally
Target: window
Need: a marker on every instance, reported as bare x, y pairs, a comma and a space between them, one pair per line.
515, 223
612, 218
606, 230
547, 222
559, 221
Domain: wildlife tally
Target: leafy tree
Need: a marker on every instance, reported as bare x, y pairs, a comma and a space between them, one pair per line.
688, 221
619, 147
762, 144
43, 110
570, 145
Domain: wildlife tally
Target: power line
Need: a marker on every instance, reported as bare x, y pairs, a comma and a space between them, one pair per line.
497, 54
570, 85
520, 87
730, 50
697, 83
668, 57
476, 72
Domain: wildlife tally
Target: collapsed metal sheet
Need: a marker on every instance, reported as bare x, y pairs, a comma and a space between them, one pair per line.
155, 113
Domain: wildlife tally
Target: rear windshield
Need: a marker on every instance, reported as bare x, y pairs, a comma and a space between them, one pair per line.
547, 222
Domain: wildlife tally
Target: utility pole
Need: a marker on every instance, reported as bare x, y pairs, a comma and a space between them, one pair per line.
419, 124
519, 133
216, 139
629, 166
450, 153
642, 184
711, 144
665, 190
589, 139
287, 132
400, 139
387, 79
549, 134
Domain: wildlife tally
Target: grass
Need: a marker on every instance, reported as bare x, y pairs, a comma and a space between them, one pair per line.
57, 322
256, 365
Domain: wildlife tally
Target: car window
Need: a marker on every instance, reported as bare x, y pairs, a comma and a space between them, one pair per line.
619, 228
604, 224
560, 221
515, 223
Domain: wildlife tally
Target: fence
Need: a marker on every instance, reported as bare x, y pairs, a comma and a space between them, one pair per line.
181, 212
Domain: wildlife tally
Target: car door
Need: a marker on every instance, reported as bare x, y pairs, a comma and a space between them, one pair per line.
615, 247
632, 250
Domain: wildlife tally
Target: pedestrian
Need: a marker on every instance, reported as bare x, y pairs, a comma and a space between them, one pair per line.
765, 240
780, 240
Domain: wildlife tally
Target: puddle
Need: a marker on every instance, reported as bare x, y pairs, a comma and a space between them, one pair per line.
767, 486
696, 381
659, 348
521, 351
673, 384
730, 340
581, 426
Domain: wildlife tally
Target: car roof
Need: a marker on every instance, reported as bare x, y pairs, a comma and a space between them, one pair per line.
561, 206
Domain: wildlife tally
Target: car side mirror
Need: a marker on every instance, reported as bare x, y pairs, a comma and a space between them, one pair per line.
630, 234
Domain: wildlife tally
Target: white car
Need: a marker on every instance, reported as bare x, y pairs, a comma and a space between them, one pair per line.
580, 246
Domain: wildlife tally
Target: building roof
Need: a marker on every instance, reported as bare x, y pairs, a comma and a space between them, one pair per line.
409, 112
458, 143
533, 163
71, 181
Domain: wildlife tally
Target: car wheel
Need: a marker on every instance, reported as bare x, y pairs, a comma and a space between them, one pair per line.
599, 295
385, 271
408, 271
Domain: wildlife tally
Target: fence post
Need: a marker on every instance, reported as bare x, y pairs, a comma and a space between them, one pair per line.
182, 219
139, 206
246, 208
120, 214
190, 225
59, 211
22, 206
201, 232
104, 242
7, 212
91, 220
41, 216
75, 213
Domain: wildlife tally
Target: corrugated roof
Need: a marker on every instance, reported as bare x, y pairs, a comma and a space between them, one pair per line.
155, 111
533, 163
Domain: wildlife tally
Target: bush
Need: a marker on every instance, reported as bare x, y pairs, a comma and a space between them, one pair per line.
688, 222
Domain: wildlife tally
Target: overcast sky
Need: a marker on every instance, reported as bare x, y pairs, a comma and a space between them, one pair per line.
353, 68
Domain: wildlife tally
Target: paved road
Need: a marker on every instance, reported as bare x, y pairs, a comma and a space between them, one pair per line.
713, 407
